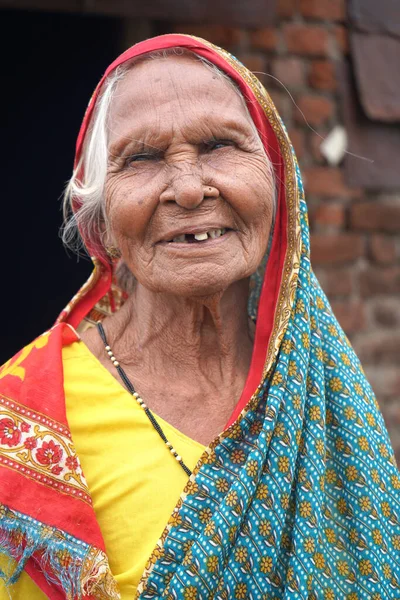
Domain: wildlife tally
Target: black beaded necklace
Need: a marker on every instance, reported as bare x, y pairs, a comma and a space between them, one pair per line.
139, 400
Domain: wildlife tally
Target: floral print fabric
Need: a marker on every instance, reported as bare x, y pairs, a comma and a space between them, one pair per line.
300, 499
40, 448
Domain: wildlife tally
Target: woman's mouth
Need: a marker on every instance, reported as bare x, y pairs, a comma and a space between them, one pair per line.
196, 238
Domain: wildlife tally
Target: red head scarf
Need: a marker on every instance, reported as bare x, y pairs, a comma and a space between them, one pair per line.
276, 144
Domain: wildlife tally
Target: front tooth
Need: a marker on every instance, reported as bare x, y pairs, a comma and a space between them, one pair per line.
179, 238
201, 236
212, 234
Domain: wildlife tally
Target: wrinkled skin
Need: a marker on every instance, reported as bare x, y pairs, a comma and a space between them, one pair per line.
184, 156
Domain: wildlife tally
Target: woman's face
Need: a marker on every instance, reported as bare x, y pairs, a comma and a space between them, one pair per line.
188, 193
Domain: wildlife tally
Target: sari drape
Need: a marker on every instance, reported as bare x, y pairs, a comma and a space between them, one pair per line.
299, 496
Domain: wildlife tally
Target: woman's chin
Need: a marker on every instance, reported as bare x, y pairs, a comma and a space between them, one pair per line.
195, 289
193, 286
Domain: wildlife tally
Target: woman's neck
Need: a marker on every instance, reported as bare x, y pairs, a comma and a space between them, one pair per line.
208, 336
188, 358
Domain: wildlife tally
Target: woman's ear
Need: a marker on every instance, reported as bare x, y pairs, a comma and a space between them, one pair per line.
113, 252
108, 242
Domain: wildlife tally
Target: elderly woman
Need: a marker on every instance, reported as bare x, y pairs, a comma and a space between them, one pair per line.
231, 445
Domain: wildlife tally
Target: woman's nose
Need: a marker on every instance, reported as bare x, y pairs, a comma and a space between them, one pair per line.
187, 189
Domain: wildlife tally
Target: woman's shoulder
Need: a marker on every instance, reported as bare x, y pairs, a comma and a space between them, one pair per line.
60, 335
36, 365
13, 365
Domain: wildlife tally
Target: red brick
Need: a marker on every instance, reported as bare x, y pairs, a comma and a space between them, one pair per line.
315, 147
327, 215
342, 38
216, 34
254, 62
383, 249
380, 280
387, 312
327, 10
264, 39
289, 71
350, 314
336, 282
385, 380
336, 249
376, 216
391, 413
286, 8
328, 182
394, 435
317, 110
322, 75
282, 102
379, 347
297, 138
307, 40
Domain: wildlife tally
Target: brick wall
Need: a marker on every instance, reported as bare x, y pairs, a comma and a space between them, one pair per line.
355, 234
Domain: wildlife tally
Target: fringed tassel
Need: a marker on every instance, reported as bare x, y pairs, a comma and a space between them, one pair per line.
81, 570
97, 579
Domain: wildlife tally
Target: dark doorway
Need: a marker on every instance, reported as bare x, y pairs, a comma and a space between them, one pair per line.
50, 66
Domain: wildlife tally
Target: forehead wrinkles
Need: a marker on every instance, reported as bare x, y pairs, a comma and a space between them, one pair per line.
178, 88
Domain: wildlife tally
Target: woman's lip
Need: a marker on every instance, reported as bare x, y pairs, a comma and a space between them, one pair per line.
190, 231
190, 246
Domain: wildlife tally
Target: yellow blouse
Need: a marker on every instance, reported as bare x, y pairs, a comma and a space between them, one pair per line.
133, 481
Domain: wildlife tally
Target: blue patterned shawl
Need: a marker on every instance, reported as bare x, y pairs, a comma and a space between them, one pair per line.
299, 497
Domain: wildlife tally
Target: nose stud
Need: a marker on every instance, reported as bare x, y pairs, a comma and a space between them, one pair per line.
209, 190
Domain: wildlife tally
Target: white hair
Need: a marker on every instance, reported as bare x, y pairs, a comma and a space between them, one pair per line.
87, 191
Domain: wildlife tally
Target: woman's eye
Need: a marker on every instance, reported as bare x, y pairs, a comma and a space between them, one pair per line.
217, 144
138, 158
142, 157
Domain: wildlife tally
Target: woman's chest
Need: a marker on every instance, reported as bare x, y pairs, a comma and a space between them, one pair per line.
199, 412
133, 480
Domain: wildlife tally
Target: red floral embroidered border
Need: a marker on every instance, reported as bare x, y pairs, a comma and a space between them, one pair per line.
40, 448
